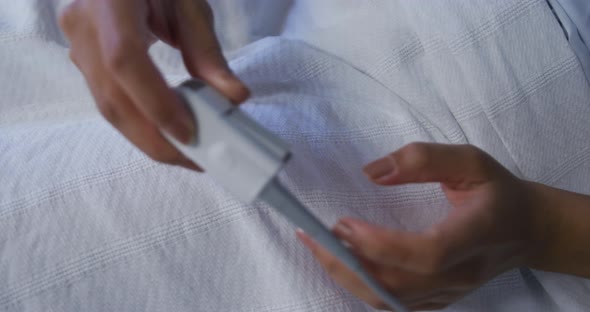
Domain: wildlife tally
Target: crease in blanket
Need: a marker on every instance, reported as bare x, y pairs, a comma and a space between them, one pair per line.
573, 35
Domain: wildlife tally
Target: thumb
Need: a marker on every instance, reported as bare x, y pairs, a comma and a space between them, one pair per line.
452, 165
202, 52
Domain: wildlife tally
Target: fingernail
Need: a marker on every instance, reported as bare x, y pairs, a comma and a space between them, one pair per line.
183, 128
343, 230
235, 88
188, 164
303, 238
228, 76
380, 168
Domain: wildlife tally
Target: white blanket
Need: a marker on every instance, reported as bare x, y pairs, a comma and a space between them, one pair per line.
87, 223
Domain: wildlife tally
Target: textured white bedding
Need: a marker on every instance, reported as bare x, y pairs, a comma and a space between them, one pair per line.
87, 223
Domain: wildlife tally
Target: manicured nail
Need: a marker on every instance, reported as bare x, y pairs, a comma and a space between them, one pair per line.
380, 168
232, 86
343, 230
188, 164
182, 128
188, 127
300, 234
306, 240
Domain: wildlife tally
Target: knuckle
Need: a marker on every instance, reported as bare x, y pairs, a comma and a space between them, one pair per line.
108, 111
474, 152
379, 305
201, 7
68, 17
479, 159
436, 256
107, 101
207, 11
117, 58
416, 155
212, 52
120, 53
110, 93
332, 267
376, 251
73, 57
394, 281
405, 257
165, 116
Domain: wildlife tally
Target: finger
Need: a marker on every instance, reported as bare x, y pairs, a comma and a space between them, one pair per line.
410, 286
202, 53
414, 252
69, 19
407, 285
117, 108
435, 301
458, 166
121, 32
429, 306
160, 19
339, 272
143, 134
423, 298
431, 253
460, 237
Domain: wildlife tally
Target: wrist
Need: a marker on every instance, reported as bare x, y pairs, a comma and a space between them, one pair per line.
560, 230
544, 225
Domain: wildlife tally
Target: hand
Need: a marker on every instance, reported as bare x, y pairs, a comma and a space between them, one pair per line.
490, 229
109, 44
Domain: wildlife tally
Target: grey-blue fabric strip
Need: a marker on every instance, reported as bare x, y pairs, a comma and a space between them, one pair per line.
577, 30
579, 12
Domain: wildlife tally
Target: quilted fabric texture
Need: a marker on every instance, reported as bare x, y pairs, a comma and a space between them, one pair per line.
88, 223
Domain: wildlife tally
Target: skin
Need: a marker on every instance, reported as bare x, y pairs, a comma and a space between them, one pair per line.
498, 222
109, 44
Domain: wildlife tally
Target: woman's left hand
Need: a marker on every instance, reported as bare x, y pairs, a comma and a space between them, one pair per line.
491, 229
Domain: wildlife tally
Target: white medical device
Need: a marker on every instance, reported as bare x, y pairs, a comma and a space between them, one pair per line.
244, 158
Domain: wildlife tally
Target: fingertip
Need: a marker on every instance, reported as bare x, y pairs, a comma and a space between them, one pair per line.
381, 171
231, 86
348, 221
343, 231
242, 94
211, 66
356, 230
183, 127
188, 164
387, 180
350, 231
306, 240
179, 131
299, 232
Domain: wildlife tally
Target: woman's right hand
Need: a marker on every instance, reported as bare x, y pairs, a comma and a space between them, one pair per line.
109, 44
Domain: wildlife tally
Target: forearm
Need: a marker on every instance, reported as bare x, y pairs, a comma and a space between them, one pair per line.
561, 230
